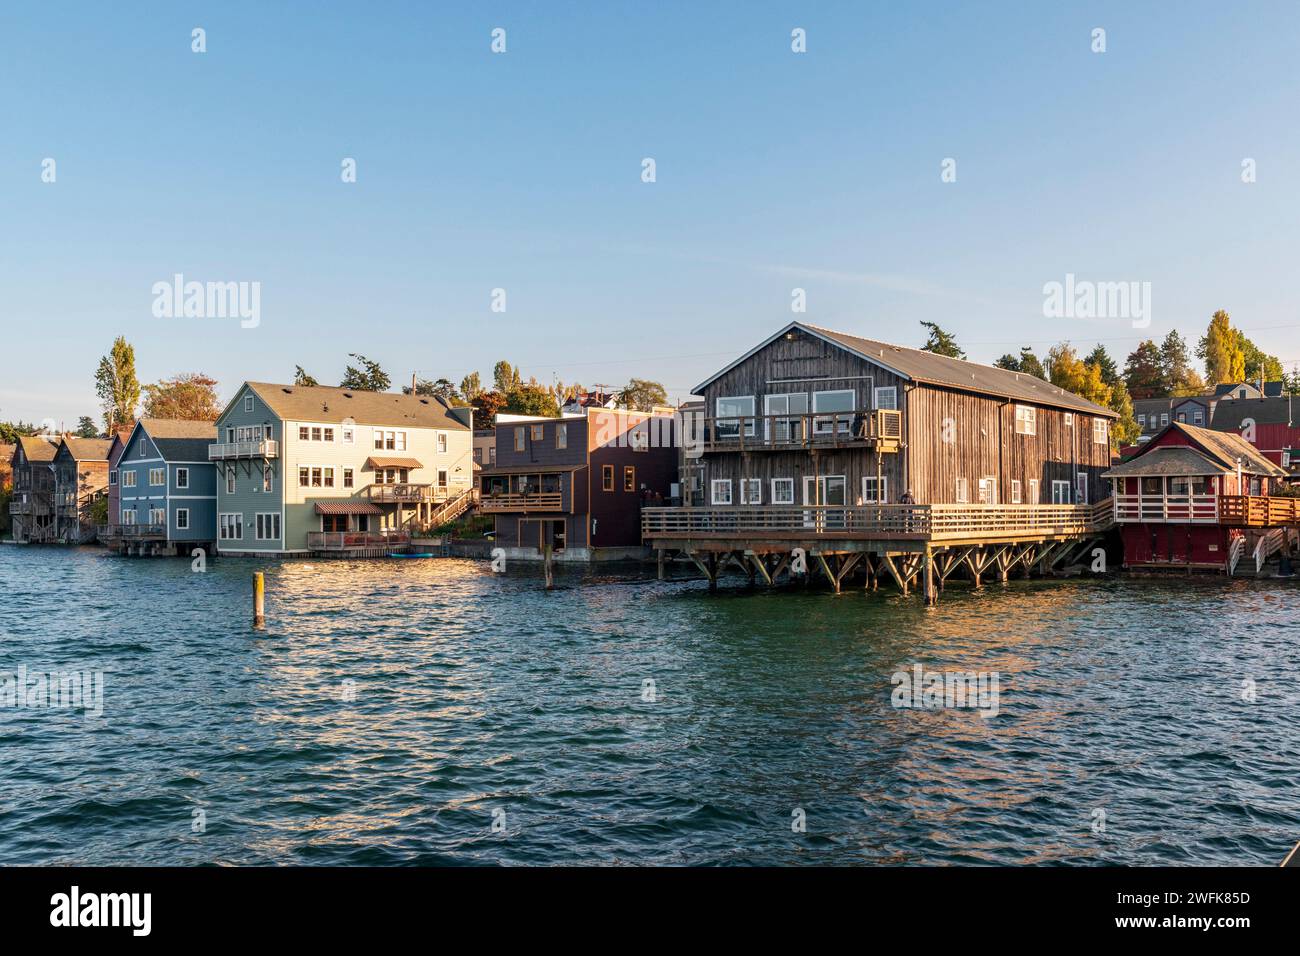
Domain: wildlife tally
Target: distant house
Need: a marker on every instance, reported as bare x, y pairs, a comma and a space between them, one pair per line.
577, 483
577, 403
1242, 390
1271, 425
485, 447
314, 469
1186, 496
115, 450
1153, 414
80, 469
32, 508
166, 489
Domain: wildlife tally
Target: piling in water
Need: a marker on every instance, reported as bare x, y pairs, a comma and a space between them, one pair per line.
259, 599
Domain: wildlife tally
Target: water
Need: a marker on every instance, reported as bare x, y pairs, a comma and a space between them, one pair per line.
478, 694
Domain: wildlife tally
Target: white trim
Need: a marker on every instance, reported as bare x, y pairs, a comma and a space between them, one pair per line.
1016, 497
883, 485
961, 493
713, 491
749, 427
749, 483
875, 397
178, 477
177, 513
774, 495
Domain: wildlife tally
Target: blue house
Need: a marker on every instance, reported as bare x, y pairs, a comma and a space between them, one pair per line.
167, 489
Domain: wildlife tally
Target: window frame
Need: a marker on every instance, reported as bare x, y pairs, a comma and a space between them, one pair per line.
629, 478
1027, 420
734, 419
747, 485
961, 493
1016, 497
231, 486
714, 484
521, 442
562, 435
836, 426
183, 478
879, 482
185, 526
1099, 428
893, 397
606, 477
248, 403
776, 498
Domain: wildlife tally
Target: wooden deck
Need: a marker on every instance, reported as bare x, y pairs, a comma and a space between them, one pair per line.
797, 431
1237, 511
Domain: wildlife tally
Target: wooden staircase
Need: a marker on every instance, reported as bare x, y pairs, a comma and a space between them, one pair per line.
453, 508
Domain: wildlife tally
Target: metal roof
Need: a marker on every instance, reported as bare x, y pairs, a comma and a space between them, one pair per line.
322, 403
1168, 460
1232, 415
929, 368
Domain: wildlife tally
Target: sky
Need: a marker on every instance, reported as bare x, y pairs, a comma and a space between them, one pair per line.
523, 171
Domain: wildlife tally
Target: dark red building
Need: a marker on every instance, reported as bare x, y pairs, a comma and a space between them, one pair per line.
1196, 498
578, 482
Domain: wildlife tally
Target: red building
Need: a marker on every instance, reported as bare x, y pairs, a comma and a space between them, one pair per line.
1197, 498
1272, 425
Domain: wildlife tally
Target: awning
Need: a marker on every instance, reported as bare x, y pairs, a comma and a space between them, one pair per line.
392, 463
530, 470
347, 508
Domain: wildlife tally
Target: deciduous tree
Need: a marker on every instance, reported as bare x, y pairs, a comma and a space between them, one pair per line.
117, 386
191, 395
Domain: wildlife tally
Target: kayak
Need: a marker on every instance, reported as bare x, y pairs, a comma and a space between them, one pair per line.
423, 554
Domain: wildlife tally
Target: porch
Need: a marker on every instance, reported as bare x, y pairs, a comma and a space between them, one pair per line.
796, 430
526, 490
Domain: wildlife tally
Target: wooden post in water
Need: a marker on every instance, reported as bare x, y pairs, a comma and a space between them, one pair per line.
927, 571
259, 599
546, 564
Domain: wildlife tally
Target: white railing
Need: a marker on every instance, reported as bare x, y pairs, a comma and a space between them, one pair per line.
1235, 550
1268, 545
1182, 509
265, 448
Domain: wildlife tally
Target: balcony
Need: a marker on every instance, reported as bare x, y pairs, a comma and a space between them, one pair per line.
355, 540
32, 505
880, 428
132, 532
225, 451
518, 503
872, 522
409, 493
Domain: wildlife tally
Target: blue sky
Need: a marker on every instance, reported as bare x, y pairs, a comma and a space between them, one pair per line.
522, 171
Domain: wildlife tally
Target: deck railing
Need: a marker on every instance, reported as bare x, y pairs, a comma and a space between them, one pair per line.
265, 448
410, 493
345, 540
133, 532
792, 431
931, 522
1178, 509
513, 502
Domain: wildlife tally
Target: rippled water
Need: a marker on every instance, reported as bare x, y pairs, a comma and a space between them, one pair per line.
477, 694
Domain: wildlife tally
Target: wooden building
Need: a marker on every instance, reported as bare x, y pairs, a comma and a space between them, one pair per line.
31, 510
578, 483
1193, 498
887, 460
80, 469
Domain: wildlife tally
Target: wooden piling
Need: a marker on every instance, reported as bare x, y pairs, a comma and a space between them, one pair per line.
259, 599
547, 567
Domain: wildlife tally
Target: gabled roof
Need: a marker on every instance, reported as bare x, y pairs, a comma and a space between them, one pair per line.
1231, 416
1271, 389
37, 447
87, 449
930, 368
1168, 460
180, 439
323, 403
1219, 449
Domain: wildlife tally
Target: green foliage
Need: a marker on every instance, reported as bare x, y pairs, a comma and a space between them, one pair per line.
642, 394
470, 386
117, 386
941, 342
300, 377
505, 377
99, 510
86, 427
1105, 364
191, 395
1144, 371
486, 405
9, 431
1026, 363
531, 399
1220, 347
368, 377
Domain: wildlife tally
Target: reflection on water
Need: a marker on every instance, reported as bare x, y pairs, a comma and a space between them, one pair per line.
390, 709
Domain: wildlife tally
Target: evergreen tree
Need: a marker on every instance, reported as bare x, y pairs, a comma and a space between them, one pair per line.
941, 342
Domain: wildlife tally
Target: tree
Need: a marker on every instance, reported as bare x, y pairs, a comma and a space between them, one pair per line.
1177, 375
1258, 364
117, 386
442, 388
1101, 358
531, 399
368, 378
1008, 362
1026, 364
941, 342
9, 431
1084, 378
1220, 347
86, 427
300, 377
486, 405
1124, 430
505, 377
642, 394
192, 396
470, 386
1144, 371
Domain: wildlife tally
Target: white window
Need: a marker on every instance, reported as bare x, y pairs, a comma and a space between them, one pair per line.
987, 491
1060, 492
128, 479
875, 490
230, 527
442, 443
1142, 422
836, 400
128, 516
248, 403
157, 476
268, 526
1198, 417
1081, 487
347, 435
158, 516
751, 491
1069, 419
182, 477
182, 519
1164, 418
144, 449
1033, 492
1015, 491
1099, 436
740, 405
230, 482
720, 491
887, 397
782, 491
1026, 420
963, 491
561, 437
